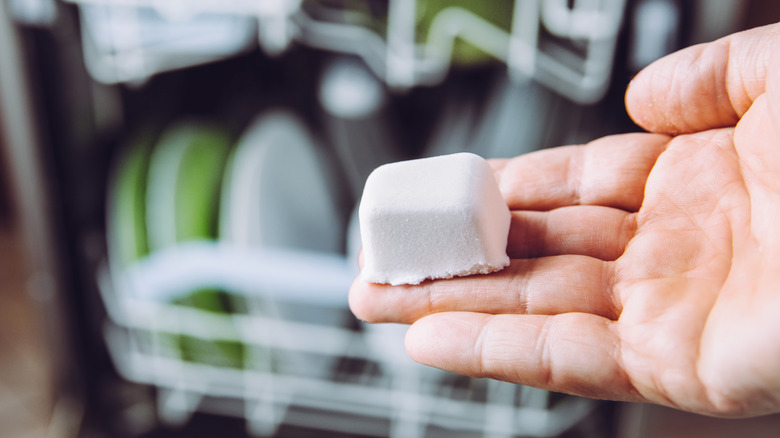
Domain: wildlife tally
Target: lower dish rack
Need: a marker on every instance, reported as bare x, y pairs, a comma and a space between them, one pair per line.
315, 368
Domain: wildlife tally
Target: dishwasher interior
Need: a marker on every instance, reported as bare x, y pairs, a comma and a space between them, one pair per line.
204, 161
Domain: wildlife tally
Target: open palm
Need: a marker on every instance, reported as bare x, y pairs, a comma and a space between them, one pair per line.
644, 267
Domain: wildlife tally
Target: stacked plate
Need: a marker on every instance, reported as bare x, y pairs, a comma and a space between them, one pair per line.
197, 222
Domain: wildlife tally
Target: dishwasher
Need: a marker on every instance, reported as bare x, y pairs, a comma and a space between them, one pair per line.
191, 171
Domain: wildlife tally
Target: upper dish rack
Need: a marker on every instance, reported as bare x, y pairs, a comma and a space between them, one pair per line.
406, 43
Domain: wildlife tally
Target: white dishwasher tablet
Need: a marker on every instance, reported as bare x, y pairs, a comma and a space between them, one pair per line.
432, 218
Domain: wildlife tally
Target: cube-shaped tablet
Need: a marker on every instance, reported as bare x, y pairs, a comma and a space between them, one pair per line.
432, 218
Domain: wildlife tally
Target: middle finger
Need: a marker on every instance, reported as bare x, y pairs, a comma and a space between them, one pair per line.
594, 231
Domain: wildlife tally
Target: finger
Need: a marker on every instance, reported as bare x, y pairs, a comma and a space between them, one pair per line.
704, 86
599, 232
610, 172
573, 353
548, 285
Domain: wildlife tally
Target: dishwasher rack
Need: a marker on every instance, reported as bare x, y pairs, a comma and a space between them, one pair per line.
569, 49
282, 350
136, 357
300, 371
236, 314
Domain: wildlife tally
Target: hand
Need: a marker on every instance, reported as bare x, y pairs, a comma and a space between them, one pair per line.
645, 267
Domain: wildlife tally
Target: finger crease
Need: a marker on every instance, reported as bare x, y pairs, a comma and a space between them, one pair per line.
617, 357
544, 354
729, 70
575, 174
520, 284
481, 346
608, 277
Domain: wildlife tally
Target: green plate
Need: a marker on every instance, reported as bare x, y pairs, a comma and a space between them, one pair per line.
183, 201
361, 13
126, 221
497, 12
184, 184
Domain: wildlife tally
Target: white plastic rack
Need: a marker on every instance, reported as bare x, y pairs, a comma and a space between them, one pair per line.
287, 352
252, 320
301, 371
569, 49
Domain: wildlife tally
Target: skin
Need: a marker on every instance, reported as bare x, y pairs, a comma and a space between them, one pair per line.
645, 267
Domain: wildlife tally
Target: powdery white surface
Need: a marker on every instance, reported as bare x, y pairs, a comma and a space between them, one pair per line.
432, 218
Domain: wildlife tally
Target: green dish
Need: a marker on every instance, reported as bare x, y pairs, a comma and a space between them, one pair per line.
126, 222
184, 184
183, 201
497, 12
361, 13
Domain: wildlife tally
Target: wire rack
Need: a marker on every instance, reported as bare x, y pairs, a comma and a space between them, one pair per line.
283, 349
274, 365
568, 48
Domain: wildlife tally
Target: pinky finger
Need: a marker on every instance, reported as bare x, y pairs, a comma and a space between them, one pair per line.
571, 353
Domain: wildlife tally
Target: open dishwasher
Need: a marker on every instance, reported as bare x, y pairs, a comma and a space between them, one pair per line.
203, 161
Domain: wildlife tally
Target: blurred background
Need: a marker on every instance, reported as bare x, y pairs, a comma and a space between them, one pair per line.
178, 184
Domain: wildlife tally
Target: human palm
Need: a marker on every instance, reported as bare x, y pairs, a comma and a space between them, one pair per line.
644, 267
